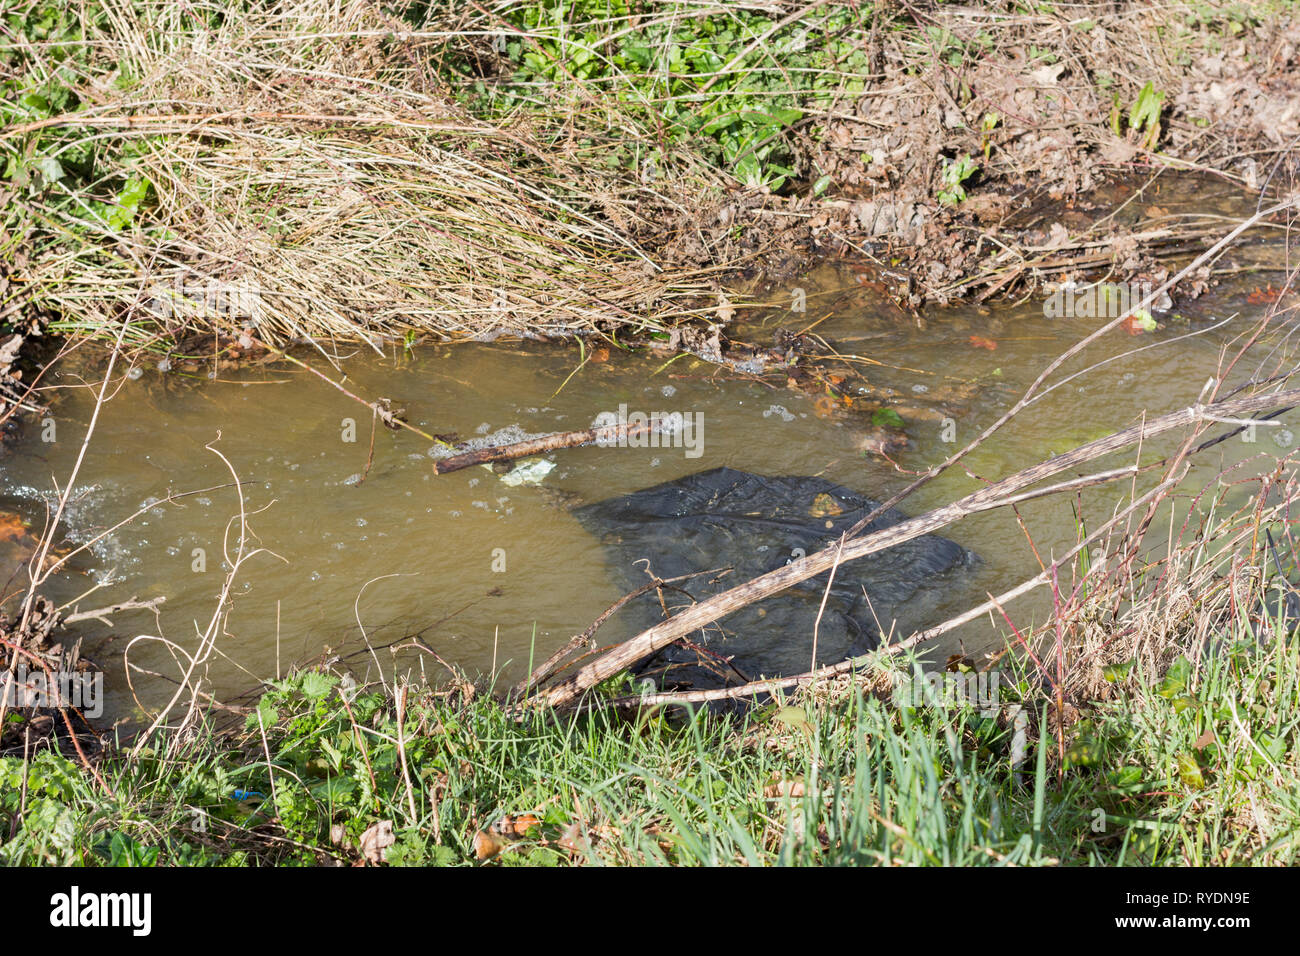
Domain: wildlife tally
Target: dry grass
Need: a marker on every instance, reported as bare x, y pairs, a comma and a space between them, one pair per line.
308, 177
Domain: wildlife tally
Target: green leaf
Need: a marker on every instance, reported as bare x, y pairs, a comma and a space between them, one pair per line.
1143, 320
886, 418
1189, 772
1176, 679
316, 685
793, 717
1117, 672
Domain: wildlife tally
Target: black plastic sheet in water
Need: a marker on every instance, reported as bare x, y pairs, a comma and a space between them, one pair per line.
728, 518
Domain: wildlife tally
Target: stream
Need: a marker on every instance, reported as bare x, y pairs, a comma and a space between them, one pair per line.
492, 575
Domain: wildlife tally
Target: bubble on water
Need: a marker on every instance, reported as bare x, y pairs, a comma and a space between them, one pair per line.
780, 411
165, 366
920, 389
134, 372
483, 429
473, 482
654, 462
753, 366
668, 391
481, 504
352, 479
314, 576
362, 522
1284, 438
454, 514
204, 500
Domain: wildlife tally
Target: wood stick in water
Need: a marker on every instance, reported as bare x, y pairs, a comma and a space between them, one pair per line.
1009, 490
605, 435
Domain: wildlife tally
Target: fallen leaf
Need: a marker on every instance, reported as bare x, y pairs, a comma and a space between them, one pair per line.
573, 839
825, 506
11, 526
979, 342
377, 838
1264, 296
516, 827
487, 845
825, 407
726, 311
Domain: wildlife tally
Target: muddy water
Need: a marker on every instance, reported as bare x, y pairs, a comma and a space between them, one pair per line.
492, 575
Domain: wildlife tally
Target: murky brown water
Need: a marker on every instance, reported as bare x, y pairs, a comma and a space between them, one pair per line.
492, 575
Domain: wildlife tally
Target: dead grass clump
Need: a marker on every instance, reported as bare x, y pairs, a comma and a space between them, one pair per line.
309, 177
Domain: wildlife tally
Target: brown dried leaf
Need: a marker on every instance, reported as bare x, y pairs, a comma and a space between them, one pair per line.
487, 845
377, 838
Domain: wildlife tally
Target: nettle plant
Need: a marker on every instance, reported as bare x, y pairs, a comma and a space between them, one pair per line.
732, 86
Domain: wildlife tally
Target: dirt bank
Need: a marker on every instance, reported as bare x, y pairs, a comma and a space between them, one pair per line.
375, 173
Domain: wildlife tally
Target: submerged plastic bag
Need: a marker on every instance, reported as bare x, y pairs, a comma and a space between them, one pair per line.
727, 518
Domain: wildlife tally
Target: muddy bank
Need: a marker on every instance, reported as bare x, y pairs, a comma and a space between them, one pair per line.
451, 174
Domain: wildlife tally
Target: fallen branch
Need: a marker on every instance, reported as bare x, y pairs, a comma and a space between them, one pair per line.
996, 495
102, 613
605, 435
768, 685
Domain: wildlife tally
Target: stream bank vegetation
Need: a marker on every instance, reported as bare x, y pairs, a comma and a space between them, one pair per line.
1155, 725
201, 183
1151, 720
374, 172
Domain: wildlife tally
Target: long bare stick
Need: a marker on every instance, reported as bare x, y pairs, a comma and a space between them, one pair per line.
1031, 394
988, 498
918, 638
607, 434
